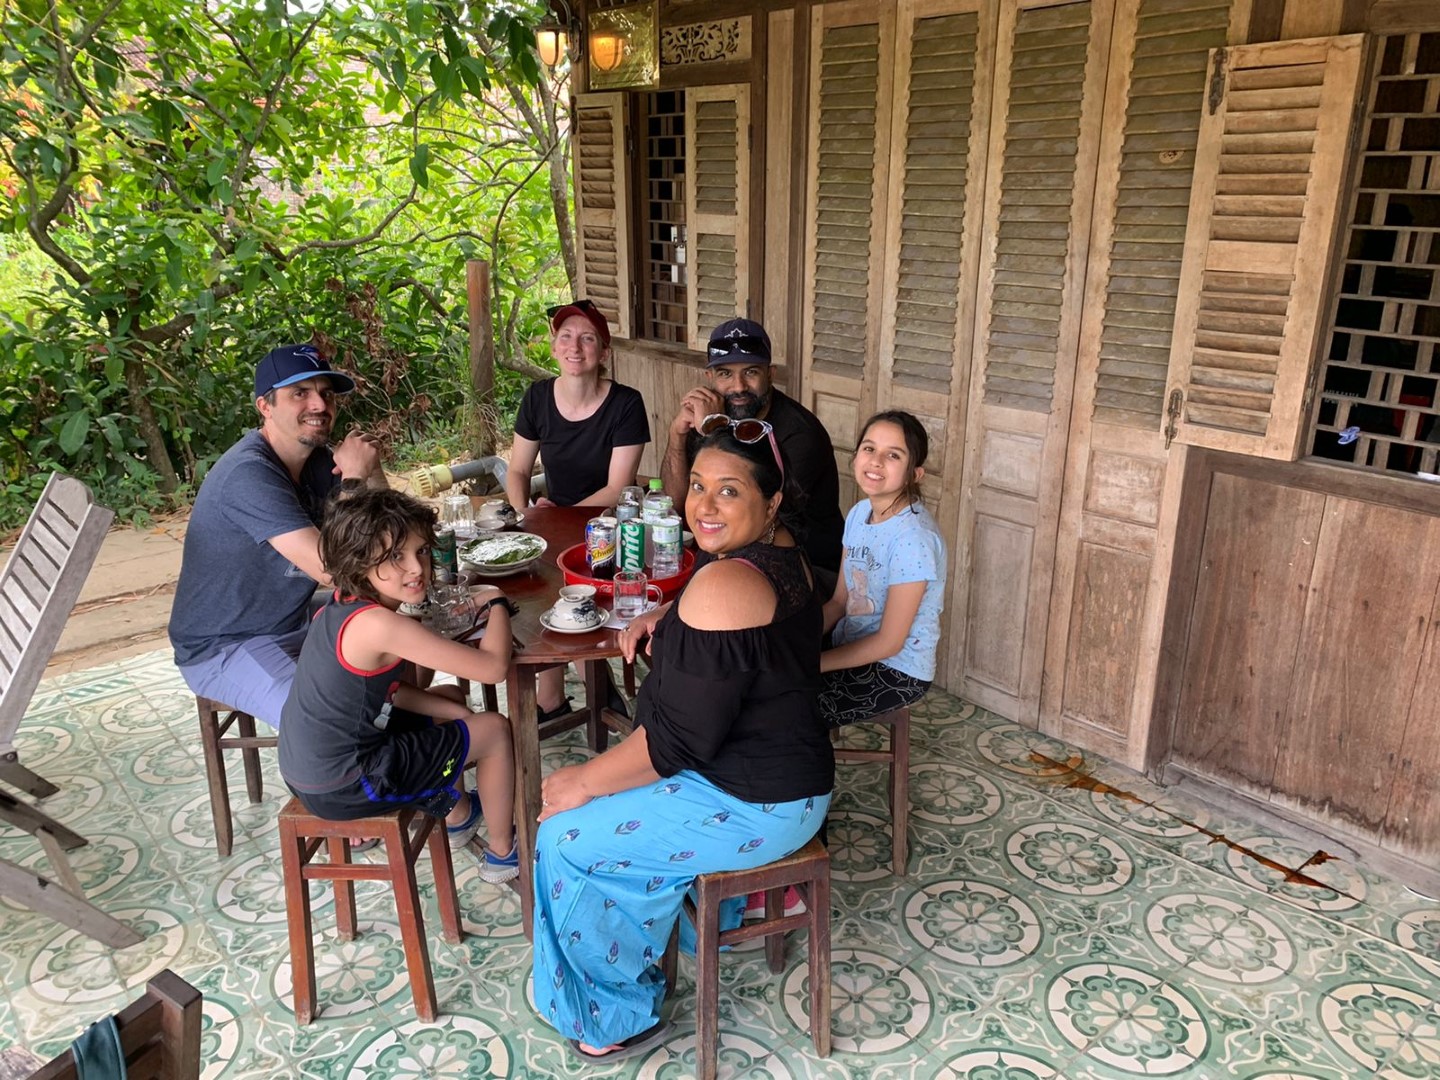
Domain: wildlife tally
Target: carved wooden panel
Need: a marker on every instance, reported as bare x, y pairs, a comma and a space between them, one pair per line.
1110, 588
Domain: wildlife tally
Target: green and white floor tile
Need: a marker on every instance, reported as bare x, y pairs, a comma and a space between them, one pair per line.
1062, 919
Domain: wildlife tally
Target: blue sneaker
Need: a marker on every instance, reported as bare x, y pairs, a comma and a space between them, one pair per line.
462, 834
498, 869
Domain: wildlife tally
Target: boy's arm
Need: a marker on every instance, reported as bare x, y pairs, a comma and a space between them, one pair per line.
377, 636
415, 700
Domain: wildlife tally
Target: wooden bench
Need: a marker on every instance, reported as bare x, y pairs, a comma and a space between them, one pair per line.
159, 1035
39, 586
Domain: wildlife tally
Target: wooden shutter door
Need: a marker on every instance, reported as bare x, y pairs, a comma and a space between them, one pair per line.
717, 206
849, 143
1111, 567
936, 198
1044, 135
602, 201
1268, 177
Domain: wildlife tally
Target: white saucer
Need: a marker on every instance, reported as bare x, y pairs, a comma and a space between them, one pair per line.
560, 628
482, 527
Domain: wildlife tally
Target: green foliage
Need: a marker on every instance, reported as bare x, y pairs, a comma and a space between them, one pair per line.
206, 181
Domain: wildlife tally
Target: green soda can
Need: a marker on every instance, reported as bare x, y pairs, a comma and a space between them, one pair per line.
444, 566
632, 545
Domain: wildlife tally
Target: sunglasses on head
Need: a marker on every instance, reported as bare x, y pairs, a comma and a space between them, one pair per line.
744, 344
748, 431
583, 305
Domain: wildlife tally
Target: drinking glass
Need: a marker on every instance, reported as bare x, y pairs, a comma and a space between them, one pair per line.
457, 512
452, 609
634, 595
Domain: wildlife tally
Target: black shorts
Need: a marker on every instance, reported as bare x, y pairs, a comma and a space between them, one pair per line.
419, 765
853, 695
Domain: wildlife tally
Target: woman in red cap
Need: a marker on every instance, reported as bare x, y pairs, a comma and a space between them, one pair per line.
589, 429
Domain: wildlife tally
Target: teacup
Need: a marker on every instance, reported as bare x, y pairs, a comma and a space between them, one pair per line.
495, 514
575, 606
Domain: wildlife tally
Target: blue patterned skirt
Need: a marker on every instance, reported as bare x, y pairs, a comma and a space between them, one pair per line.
610, 879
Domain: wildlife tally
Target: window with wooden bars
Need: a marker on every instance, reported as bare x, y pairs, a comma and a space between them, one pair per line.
687, 161
1378, 400
663, 216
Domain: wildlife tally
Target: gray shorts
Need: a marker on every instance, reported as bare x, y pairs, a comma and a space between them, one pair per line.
253, 676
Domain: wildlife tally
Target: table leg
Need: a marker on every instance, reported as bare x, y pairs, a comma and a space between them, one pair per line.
525, 736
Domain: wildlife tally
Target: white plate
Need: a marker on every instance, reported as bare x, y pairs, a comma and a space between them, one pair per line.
560, 628
519, 520
493, 569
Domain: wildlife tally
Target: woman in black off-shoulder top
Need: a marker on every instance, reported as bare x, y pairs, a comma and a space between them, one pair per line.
729, 767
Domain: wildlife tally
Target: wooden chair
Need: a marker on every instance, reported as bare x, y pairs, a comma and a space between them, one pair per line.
214, 743
808, 870
38, 587
301, 834
897, 755
159, 1034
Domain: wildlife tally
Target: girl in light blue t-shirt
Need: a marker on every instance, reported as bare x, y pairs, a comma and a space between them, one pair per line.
884, 619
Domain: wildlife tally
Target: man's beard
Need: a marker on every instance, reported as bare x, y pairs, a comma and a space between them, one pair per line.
314, 440
745, 405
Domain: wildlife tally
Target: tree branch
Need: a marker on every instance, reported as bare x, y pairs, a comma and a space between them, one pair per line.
356, 241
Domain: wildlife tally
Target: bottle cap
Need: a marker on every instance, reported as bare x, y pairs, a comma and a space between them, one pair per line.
656, 484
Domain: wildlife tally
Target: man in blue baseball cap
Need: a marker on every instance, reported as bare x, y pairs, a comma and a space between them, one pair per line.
738, 384
252, 548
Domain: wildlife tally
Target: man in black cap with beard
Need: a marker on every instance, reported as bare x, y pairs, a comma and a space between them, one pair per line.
737, 373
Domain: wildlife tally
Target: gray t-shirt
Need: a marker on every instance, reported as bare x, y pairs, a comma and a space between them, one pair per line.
233, 584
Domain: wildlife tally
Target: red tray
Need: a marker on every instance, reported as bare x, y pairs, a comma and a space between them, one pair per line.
572, 565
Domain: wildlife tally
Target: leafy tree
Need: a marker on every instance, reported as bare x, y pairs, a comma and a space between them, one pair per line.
211, 178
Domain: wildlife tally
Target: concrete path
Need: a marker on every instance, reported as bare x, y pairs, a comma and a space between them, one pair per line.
125, 605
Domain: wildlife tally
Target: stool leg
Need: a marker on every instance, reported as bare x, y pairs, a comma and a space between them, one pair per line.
707, 981
775, 943
900, 795
819, 901
297, 915
254, 785
445, 894
412, 923
344, 890
215, 776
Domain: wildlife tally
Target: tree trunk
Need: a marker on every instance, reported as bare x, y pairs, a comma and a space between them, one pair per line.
560, 185
156, 451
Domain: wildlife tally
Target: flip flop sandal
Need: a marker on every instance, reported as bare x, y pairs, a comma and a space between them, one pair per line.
631, 1047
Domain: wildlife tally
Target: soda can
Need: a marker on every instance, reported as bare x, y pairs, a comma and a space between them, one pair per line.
443, 562
600, 546
632, 545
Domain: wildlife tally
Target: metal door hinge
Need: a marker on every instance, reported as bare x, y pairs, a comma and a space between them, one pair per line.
1216, 93
1172, 415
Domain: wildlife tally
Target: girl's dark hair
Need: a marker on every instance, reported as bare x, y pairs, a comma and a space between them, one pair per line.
766, 473
364, 528
917, 444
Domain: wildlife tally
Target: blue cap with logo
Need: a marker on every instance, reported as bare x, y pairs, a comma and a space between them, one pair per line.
293, 363
737, 341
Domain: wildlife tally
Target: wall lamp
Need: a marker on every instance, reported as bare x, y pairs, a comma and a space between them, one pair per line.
555, 37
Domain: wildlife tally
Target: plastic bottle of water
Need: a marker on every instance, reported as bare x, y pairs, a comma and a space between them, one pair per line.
656, 506
665, 547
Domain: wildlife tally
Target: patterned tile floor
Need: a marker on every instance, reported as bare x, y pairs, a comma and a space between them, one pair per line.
1047, 929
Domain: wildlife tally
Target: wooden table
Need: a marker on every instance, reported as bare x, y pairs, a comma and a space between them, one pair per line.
538, 649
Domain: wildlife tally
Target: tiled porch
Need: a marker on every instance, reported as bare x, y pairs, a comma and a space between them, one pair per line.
1047, 929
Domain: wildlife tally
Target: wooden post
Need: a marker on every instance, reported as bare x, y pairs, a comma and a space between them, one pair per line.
482, 354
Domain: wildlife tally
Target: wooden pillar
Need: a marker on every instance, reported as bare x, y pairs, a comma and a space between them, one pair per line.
482, 354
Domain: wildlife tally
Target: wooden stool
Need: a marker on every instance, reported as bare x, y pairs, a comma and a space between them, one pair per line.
897, 754
808, 870
301, 834
214, 743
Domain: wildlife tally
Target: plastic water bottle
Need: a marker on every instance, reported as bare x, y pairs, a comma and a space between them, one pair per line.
657, 505
665, 547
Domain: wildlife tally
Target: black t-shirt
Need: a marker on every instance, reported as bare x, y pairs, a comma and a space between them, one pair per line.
739, 706
576, 454
811, 460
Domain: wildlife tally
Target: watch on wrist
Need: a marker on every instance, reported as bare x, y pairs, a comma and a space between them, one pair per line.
504, 601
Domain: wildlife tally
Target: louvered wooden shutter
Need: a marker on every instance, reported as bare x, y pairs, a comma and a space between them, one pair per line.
1270, 162
931, 153
1157, 161
850, 138
1042, 138
717, 205
602, 200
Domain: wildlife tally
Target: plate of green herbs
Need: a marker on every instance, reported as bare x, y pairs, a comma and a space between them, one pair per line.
496, 554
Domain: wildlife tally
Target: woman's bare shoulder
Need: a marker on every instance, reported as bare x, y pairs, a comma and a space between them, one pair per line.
727, 594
